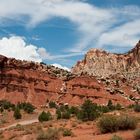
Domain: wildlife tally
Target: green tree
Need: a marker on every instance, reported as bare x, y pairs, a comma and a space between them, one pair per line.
59, 114
74, 110
88, 112
110, 105
45, 116
17, 114
29, 108
52, 104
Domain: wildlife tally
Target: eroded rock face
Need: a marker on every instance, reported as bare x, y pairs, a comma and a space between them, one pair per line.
103, 64
27, 81
22, 81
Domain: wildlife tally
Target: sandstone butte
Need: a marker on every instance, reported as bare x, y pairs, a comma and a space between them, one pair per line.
101, 76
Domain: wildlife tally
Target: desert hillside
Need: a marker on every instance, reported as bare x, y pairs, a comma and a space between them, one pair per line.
101, 76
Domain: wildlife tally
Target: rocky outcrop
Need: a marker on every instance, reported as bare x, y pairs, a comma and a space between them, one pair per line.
103, 64
22, 81
29, 81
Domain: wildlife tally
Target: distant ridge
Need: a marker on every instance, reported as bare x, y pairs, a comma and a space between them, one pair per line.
101, 63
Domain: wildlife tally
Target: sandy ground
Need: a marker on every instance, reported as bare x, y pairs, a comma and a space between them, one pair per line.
81, 130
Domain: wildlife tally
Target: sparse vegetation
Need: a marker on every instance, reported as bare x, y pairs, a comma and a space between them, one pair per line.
19, 127
127, 122
74, 110
45, 116
112, 123
67, 132
88, 112
110, 105
4, 104
108, 123
104, 109
52, 104
58, 114
63, 112
51, 134
17, 114
115, 137
66, 114
118, 106
27, 107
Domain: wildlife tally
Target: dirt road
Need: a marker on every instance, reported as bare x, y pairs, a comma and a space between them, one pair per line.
25, 122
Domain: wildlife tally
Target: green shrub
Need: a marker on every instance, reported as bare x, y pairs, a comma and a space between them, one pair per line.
52, 104
108, 123
66, 115
137, 107
131, 106
27, 107
110, 105
88, 112
63, 112
5, 104
19, 127
104, 109
17, 114
115, 137
118, 107
62, 108
67, 132
58, 114
74, 110
45, 116
51, 134
112, 123
137, 134
127, 122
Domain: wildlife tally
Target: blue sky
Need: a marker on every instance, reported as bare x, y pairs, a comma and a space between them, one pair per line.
62, 31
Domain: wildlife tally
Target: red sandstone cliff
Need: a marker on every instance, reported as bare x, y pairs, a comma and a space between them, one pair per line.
36, 83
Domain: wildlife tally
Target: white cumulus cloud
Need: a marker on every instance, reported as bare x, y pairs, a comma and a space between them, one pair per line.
123, 36
16, 47
95, 26
60, 66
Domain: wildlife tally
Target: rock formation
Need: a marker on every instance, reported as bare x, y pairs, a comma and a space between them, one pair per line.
103, 64
22, 81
